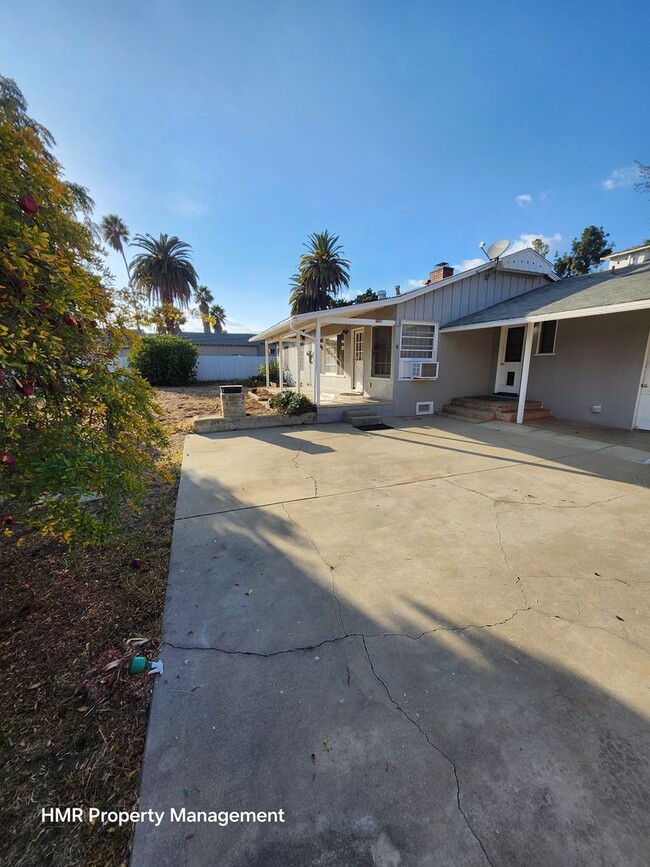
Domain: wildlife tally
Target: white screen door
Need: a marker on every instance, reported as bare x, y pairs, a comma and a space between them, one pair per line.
357, 373
511, 349
643, 407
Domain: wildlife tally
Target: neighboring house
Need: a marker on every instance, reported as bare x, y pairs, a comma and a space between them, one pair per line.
504, 333
632, 256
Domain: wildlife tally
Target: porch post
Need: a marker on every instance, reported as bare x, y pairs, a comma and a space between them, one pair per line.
281, 364
317, 365
525, 367
298, 354
266, 357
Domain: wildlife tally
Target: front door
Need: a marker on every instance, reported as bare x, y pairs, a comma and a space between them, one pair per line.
643, 406
358, 338
511, 349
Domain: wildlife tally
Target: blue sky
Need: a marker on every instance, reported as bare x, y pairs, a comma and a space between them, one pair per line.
412, 129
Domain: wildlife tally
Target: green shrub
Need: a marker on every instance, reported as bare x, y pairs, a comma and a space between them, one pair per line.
274, 373
163, 359
291, 403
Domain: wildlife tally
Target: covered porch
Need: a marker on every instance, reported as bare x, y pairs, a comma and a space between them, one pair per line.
334, 358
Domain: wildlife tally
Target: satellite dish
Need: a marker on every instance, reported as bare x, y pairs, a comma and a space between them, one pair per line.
497, 249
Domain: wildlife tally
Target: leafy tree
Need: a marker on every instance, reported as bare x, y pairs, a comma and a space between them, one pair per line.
362, 298
76, 429
166, 319
322, 273
586, 253
163, 359
203, 297
540, 247
217, 318
165, 271
131, 307
116, 234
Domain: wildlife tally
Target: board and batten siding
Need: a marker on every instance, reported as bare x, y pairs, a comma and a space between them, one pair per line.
447, 303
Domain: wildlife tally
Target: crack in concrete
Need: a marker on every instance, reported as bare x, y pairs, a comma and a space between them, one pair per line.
440, 628
294, 461
323, 560
214, 649
440, 751
498, 500
590, 626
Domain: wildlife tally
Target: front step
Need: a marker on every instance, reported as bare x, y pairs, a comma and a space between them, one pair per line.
357, 418
467, 412
478, 409
529, 415
494, 406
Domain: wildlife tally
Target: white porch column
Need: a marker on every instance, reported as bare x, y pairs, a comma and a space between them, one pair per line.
266, 357
317, 365
298, 354
281, 363
525, 367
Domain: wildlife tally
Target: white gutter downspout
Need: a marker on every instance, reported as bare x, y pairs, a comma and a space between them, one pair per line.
525, 367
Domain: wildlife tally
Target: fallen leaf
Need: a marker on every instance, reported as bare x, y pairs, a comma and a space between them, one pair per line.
326, 740
36, 685
248, 592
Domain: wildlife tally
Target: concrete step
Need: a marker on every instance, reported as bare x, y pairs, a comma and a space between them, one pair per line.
529, 415
469, 413
361, 417
494, 406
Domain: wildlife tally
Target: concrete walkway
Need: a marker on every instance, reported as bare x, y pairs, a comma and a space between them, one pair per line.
427, 645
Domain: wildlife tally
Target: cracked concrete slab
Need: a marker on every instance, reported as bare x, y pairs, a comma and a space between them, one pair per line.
428, 645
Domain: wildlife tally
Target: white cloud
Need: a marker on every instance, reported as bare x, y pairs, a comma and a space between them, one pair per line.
526, 240
523, 199
623, 177
467, 264
233, 326
415, 284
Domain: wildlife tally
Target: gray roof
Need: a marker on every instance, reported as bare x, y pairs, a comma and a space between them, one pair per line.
201, 339
627, 286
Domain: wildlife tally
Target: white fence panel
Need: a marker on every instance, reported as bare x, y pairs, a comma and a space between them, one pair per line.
222, 367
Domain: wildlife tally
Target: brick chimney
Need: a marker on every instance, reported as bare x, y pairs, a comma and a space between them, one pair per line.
440, 272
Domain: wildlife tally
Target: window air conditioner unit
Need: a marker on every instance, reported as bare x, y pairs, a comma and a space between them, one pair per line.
419, 370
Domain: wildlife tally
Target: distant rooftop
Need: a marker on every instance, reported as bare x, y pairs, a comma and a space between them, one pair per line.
617, 253
224, 339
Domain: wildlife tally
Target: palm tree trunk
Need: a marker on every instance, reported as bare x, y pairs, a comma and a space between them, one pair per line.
205, 317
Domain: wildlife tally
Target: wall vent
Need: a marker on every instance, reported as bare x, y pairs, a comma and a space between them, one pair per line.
424, 407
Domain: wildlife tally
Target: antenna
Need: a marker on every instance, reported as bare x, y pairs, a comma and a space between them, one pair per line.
497, 249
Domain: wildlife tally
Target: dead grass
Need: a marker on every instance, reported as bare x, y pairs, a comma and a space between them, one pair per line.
72, 729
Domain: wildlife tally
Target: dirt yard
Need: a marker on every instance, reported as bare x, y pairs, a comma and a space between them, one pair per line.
73, 730
180, 405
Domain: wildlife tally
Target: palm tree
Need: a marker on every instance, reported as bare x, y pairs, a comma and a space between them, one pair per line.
164, 270
116, 234
322, 273
217, 318
203, 297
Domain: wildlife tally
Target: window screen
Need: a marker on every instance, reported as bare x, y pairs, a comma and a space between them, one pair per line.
418, 341
334, 354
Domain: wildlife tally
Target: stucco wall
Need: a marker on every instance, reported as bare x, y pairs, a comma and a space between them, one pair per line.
597, 362
466, 362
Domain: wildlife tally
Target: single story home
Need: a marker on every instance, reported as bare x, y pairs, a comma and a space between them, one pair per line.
506, 339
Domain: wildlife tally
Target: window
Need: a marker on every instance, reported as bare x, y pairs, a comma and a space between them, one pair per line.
382, 350
334, 355
419, 340
546, 334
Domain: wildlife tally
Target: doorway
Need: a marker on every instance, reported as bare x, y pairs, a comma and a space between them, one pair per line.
358, 340
511, 349
642, 416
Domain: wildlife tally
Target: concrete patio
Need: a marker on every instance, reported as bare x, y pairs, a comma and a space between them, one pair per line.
427, 645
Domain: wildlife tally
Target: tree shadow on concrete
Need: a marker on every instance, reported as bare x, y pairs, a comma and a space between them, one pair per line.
519, 741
